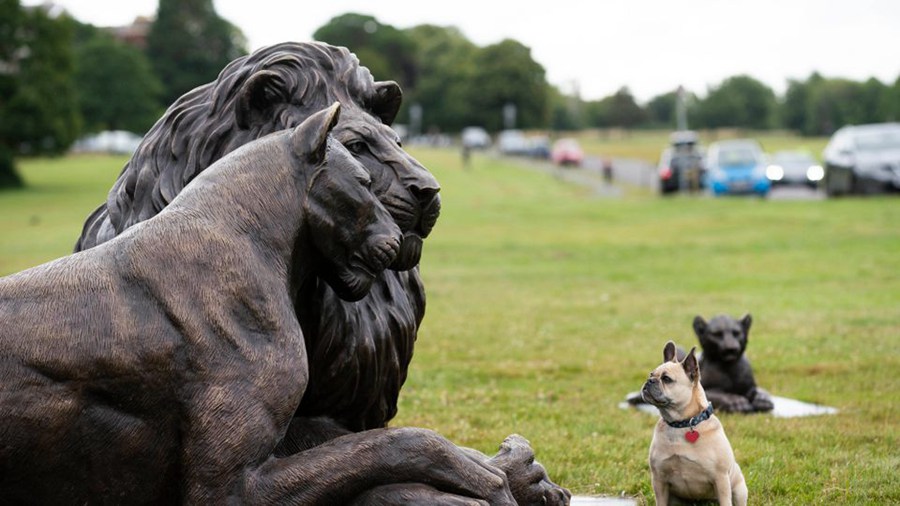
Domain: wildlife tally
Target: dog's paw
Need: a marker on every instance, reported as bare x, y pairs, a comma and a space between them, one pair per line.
528, 479
733, 404
762, 401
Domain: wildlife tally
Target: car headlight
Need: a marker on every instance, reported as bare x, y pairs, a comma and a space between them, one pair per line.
815, 173
775, 172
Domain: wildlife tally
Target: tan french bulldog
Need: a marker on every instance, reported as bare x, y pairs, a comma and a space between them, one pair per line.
690, 457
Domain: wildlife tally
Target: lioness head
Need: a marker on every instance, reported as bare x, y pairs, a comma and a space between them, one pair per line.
354, 235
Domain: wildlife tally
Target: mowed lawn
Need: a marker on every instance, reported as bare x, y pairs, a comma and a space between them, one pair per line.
547, 305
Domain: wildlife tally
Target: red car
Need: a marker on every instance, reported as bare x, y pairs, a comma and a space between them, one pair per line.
567, 152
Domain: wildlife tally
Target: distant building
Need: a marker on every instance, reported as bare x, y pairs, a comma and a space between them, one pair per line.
134, 34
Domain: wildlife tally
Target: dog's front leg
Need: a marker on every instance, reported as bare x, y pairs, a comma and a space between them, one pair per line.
723, 489
660, 490
345, 468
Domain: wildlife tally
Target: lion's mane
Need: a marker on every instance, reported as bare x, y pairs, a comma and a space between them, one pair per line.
201, 126
358, 352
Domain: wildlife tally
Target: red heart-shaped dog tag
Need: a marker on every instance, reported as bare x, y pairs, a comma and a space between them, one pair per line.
692, 436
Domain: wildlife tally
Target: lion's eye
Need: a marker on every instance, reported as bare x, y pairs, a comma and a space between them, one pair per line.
356, 147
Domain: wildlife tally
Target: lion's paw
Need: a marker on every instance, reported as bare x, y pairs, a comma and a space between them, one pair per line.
528, 479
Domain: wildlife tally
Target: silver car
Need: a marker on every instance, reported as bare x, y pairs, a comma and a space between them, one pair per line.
863, 159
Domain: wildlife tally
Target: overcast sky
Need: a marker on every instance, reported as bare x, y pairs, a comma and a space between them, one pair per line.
651, 46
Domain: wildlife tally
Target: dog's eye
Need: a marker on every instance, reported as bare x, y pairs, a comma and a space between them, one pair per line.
356, 147
666, 379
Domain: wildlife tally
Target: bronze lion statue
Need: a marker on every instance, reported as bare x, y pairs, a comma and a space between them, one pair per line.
274, 88
164, 365
358, 352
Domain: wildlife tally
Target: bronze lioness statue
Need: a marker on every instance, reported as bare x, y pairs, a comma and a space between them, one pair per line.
361, 351
165, 365
358, 352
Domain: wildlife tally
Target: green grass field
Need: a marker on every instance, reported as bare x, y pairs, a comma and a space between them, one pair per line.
546, 305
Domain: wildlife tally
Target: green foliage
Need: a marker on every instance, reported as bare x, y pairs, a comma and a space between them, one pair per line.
386, 51
445, 66
117, 89
9, 178
619, 109
661, 109
739, 101
505, 73
567, 112
38, 109
189, 44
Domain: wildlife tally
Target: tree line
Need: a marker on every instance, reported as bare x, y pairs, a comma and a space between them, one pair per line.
60, 79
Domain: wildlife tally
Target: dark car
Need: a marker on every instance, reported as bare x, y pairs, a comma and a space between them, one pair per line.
863, 159
681, 164
794, 168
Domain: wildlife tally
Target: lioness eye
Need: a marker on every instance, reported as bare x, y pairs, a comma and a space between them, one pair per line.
356, 147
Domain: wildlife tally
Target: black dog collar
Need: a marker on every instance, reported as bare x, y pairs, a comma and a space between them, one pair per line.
693, 421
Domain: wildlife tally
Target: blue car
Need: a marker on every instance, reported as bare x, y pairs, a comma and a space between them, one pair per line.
737, 167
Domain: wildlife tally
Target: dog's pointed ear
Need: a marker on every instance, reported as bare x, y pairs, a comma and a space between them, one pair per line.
386, 102
310, 140
256, 98
700, 326
746, 321
691, 367
669, 352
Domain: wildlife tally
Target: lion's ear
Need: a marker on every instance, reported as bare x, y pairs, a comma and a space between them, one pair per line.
257, 97
387, 100
310, 140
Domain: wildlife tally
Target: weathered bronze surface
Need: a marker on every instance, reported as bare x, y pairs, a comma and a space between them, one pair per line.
725, 372
334, 449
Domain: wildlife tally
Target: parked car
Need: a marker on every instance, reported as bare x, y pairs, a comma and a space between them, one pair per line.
118, 142
681, 164
794, 168
737, 167
475, 137
567, 151
512, 142
539, 146
863, 159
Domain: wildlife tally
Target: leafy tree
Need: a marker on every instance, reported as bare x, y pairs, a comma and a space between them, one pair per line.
117, 89
616, 110
793, 108
567, 112
387, 52
661, 109
189, 44
445, 66
10, 19
892, 101
834, 103
505, 73
739, 101
38, 111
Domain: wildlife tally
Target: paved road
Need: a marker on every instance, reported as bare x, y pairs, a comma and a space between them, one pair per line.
639, 173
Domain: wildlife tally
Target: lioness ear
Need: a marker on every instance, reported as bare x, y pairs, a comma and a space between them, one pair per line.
310, 140
669, 352
256, 97
387, 100
746, 321
700, 326
690, 365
